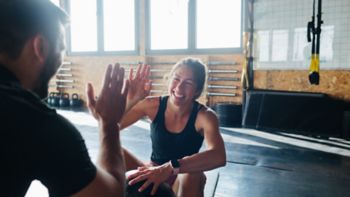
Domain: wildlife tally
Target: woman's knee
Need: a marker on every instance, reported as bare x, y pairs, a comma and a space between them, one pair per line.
197, 178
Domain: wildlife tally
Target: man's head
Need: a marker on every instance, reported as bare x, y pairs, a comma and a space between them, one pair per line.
32, 32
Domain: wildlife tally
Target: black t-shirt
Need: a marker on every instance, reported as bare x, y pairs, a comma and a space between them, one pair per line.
37, 143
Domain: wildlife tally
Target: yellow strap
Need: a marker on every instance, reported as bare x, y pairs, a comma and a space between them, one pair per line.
315, 63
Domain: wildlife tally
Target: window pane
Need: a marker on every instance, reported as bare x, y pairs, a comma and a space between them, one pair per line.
218, 23
56, 2
83, 25
169, 24
119, 25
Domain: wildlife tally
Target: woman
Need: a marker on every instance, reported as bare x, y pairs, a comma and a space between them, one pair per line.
179, 126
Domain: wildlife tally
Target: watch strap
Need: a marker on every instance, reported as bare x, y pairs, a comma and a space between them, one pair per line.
175, 165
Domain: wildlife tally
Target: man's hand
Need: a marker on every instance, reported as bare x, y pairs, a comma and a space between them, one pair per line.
108, 108
139, 85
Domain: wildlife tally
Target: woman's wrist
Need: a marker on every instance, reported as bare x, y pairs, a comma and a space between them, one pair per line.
175, 166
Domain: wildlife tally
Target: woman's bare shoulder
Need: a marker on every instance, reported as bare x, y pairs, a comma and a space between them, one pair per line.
206, 112
207, 116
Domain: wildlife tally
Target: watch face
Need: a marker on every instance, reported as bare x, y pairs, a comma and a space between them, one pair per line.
175, 163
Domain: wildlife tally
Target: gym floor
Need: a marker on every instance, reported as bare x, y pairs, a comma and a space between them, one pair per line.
259, 164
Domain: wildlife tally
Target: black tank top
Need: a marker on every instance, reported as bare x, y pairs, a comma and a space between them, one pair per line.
167, 145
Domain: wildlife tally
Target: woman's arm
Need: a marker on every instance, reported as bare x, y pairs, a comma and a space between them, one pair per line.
215, 155
146, 107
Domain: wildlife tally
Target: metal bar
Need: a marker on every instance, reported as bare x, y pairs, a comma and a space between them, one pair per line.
64, 69
159, 70
158, 84
224, 79
152, 70
221, 94
67, 63
131, 63
61, 86
223, 87
223, 71
64, 80
156, 77
157, 91
216, 63
64, 75
213, 63
161, 63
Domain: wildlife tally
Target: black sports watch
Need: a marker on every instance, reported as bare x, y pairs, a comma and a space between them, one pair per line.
175, 165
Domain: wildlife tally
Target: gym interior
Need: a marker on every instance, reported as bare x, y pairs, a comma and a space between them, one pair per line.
278, 80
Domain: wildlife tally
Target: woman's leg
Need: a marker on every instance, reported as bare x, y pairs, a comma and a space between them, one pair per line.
190, 185
131, 162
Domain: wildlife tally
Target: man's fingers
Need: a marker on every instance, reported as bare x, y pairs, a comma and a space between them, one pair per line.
117, 78
119, 81
114, 75
131, 74
125, 88
107, 78
90, 96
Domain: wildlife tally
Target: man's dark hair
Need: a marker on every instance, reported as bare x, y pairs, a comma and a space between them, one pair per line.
22, 19
164, 190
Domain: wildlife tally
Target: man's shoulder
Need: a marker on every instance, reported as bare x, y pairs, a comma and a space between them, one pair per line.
17, 100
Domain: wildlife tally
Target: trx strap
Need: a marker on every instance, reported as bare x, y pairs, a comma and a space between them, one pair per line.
247, 70
314, 70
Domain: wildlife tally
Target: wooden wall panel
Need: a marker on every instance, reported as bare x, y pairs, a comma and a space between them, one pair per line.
335, 83
91, 69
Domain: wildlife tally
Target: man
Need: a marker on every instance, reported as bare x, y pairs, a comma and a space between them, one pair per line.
36, 142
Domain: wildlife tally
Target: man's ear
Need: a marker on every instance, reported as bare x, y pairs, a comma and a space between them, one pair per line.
40, 48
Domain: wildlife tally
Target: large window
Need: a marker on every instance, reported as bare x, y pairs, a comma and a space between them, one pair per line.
218, 24
56, 2
83, 26
194, 25
169, 24
102, 26
119, 25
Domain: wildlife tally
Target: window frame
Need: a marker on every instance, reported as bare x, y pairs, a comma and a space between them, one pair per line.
191, 42
100, 32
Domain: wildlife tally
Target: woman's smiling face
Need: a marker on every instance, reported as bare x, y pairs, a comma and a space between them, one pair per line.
182, 86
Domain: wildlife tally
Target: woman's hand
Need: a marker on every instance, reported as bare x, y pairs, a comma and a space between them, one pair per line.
139, 85
108, 108
152, 175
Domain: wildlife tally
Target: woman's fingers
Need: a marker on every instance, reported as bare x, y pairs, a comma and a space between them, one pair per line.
138, 179
145, 185
154, 189
147, 70
138, 72
132, 174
